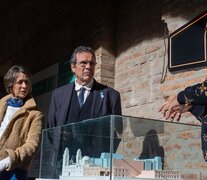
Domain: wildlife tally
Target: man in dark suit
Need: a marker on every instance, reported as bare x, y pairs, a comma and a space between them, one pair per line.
98, 100
192, 99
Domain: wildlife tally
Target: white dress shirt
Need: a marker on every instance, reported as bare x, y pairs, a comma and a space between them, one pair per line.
87, 87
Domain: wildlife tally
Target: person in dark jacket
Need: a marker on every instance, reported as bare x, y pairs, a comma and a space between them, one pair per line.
192, 99
98, 99
81, 100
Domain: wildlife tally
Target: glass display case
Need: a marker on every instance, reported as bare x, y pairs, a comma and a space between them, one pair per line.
120, 147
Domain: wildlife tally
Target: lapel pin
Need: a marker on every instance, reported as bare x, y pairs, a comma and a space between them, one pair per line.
102, 95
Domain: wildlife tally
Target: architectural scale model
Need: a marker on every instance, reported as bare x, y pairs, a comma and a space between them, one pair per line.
99, 168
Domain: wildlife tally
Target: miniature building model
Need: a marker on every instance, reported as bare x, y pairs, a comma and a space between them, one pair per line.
87, 166
91, 168
160, 174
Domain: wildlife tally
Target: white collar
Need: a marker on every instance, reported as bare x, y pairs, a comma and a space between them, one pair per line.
87, 86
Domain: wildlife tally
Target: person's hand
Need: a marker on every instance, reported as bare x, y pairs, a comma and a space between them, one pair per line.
171, 108
175, 115
178, 110
4, 164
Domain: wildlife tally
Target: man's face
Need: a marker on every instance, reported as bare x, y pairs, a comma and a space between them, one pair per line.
84, 68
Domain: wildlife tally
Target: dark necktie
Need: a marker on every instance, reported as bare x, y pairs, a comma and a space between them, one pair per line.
81, 96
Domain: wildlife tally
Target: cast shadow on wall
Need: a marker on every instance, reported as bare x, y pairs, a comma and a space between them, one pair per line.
151, 147
150, 130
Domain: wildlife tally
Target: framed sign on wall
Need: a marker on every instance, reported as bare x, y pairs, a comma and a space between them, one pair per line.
187, 45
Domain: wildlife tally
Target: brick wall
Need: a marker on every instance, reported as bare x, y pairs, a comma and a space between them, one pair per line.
177, 81
142, 50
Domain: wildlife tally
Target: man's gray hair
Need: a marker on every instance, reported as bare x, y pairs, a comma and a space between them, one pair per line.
81, 49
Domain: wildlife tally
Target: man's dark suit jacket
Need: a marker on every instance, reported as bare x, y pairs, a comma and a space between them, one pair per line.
106, 101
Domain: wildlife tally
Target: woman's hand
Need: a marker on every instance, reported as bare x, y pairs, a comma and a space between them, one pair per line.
173, 109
